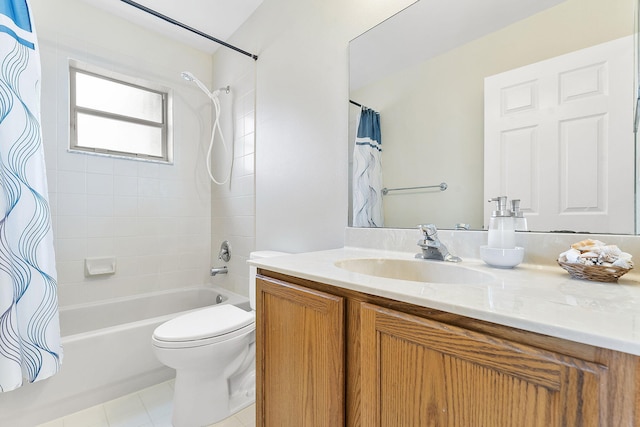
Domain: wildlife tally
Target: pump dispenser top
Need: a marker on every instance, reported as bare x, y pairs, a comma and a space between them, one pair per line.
501, 226
520, 222
501, 207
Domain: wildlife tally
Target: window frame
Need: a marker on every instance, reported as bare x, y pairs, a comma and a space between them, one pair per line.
165, 126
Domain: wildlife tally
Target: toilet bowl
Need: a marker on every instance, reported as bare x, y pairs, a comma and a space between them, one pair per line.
213, 353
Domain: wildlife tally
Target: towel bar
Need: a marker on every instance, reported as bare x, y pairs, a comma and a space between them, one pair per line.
442, 186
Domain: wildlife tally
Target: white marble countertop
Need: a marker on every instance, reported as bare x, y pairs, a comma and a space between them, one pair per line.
542, 299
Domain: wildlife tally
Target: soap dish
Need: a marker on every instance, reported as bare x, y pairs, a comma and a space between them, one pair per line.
502, 258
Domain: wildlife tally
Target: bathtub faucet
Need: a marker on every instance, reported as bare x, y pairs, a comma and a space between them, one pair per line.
219, 270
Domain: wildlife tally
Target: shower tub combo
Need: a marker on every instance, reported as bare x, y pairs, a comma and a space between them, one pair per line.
107, 353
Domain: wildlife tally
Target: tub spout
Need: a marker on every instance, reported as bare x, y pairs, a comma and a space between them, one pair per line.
219, 270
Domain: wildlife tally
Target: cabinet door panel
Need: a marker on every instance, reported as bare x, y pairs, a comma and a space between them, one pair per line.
300, 359
419, 372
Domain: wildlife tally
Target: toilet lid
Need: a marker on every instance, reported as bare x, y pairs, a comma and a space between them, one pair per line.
205, 323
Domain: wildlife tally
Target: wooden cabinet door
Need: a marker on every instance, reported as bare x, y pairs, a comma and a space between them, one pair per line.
419, 372
300, 356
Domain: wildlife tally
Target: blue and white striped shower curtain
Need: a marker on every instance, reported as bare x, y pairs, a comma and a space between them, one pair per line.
367, 171
30, 347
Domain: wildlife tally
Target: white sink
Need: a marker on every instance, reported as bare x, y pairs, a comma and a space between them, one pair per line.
415, 270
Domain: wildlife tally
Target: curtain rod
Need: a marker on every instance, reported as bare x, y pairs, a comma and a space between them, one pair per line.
188, 28
357, 104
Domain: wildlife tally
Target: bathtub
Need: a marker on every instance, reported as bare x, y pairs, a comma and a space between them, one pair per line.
107, 353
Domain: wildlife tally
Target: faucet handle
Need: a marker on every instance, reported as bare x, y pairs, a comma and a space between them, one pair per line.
225, 251
428, 230
431, 246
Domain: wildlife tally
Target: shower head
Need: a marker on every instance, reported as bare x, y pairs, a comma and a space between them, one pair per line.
191, 78
187, 76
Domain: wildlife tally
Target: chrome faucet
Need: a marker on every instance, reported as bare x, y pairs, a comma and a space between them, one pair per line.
432, 247
219, 270
223, 255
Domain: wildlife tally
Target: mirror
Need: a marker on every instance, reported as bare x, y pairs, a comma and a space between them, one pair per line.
424, 70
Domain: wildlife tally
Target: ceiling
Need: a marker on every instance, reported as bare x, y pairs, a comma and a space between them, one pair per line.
217, 18
436, 26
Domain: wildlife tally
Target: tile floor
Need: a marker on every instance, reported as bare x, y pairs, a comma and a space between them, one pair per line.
150, 407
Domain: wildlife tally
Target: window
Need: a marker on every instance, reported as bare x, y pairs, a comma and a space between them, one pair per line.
117, 115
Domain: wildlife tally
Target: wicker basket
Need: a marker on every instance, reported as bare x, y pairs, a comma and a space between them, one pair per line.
595, 273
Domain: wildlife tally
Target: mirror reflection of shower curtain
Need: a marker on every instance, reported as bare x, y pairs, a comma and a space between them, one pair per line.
367, 171
30, 345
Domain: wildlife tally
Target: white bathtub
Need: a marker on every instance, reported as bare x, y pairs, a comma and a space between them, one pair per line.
107, 353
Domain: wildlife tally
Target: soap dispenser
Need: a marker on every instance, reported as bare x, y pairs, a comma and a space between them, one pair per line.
520, 222
501, 226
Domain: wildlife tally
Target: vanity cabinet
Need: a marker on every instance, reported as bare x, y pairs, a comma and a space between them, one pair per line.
300, 356
329, 356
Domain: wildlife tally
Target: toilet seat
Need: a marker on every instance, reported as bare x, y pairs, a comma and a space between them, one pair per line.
204, 327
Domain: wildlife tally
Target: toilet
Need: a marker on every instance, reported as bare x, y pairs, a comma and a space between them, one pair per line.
213, 353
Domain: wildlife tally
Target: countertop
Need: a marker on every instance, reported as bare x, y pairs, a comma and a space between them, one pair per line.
542, 299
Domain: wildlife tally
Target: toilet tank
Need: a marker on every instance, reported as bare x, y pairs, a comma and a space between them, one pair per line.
253, 270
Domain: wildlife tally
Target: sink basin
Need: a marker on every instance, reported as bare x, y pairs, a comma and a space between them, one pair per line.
415, 270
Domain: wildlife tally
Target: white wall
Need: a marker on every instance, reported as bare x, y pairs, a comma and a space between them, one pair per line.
154, 218
302, 116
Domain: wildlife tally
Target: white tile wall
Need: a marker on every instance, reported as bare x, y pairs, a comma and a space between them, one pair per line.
154, 218
233, 205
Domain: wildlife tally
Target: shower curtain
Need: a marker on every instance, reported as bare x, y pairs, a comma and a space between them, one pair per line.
367, 171
30, 346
